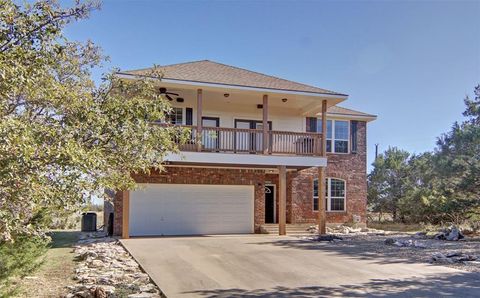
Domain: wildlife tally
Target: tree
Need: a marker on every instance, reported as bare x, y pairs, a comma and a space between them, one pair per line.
434, 187
63, 138
458, 158
386, 182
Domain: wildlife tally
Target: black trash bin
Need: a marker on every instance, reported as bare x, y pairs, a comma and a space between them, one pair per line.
89, 222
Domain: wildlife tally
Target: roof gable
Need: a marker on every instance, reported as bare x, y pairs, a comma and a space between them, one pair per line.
206, 71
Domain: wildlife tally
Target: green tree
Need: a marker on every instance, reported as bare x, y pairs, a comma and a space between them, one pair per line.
63, 138
458, 159
386, 182
434, 187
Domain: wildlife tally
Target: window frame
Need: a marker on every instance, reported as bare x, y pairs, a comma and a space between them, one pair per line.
333, 138
328, 195
183, 116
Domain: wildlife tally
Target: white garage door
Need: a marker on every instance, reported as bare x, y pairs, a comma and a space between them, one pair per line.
191, 209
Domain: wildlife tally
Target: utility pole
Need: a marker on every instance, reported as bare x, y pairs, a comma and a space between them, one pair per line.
376, 151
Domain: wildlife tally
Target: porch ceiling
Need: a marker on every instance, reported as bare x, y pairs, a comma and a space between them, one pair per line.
303, 102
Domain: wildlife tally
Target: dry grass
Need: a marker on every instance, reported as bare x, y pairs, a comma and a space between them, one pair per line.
56, 271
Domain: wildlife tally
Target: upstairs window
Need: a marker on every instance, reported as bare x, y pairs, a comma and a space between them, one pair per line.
334, 195
175, 116
337, 135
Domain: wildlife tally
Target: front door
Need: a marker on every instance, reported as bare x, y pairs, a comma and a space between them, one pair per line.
250, 141
269, 204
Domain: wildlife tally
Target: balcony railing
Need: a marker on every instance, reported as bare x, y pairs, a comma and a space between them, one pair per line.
237, 140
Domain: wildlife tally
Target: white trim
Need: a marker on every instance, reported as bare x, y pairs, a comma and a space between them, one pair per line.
267, 161
274, 201
352, 117
219, 85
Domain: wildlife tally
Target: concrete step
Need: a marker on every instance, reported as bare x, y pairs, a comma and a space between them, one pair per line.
292, 229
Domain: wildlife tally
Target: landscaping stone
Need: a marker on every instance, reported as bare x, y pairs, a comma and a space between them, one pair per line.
103, 266
453, 257
450, 234
404, 243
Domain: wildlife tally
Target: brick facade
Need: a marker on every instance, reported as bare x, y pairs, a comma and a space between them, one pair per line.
349, 167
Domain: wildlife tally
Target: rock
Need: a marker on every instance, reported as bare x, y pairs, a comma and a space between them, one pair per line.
453, 257
97, 263
420, 235
389, 241
330, 238
450, 234
454, 235
406, 243
100, 293
143, 295
103, 266
150, 288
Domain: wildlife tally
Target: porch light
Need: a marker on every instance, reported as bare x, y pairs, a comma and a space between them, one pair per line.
284, 99
226, 95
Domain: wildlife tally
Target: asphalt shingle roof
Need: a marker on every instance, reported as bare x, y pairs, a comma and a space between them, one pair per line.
348, 112
206, 71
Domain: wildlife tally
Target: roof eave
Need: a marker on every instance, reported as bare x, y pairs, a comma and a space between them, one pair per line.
367, 118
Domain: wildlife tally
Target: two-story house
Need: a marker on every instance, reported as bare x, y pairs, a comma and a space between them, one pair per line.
264, 150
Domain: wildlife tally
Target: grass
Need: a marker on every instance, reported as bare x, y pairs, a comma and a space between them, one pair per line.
56, 271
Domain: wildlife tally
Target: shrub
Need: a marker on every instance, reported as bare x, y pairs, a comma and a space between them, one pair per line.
19, 258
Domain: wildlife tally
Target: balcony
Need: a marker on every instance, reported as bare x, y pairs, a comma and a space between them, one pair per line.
252, 141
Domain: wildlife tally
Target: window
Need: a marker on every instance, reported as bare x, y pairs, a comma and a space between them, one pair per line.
176, 116
337, 135
335, 195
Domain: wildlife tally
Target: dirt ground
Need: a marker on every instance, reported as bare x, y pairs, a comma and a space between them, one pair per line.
370, 246
56, 271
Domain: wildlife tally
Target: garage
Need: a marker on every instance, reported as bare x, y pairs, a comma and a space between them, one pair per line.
191, 209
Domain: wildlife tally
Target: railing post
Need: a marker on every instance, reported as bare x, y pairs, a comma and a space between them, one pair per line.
199, 120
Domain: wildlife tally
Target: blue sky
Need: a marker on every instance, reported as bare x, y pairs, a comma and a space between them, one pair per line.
409, 62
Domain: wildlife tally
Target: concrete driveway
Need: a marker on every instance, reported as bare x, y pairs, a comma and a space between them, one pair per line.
274, 266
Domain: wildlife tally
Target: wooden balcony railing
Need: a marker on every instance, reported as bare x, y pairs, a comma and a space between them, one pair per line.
237, 140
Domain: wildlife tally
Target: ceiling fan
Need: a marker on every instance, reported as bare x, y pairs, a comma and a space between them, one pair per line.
163, 91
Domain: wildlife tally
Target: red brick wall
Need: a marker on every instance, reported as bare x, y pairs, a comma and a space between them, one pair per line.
185, 175
349, 167
117, 213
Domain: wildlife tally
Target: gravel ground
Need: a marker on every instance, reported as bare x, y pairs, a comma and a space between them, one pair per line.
373, 247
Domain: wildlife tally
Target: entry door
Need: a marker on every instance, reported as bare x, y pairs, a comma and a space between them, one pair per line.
242, 139
250, 141
209, 137
269, 204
